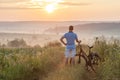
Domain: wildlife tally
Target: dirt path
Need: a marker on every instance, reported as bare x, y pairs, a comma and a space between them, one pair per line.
70, 72
51, 75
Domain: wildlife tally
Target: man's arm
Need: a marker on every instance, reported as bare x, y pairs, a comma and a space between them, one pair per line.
78, 41
61, 39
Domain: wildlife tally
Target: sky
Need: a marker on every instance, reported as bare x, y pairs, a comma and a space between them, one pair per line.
59, 10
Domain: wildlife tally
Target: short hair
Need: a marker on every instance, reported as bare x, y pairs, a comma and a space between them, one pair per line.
70, 27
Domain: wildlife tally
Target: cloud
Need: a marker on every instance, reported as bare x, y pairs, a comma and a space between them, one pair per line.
12, 1
74, 4
20, 8
28, 4
19, 5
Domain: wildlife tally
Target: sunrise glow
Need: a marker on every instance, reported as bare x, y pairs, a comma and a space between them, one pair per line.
48, 5
50, 8
59, 10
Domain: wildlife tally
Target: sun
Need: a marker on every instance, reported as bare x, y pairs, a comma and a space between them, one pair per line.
48, 5
50, 8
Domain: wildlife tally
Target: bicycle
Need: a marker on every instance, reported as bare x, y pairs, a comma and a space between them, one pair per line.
87, 59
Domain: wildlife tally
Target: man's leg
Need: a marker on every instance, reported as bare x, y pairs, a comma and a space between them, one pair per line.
66, 62
66, 56
73, 60
73, 56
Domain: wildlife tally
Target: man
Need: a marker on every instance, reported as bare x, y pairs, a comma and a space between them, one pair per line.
70, 50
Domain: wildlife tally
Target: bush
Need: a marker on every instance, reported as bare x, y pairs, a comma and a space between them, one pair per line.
53, 44
17, 43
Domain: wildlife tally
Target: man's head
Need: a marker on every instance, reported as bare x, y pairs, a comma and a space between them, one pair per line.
71, 28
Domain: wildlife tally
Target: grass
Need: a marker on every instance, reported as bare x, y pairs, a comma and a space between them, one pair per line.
109, 69
36, 63
28, 63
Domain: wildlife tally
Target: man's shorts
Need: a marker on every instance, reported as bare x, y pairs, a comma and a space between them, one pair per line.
70, 53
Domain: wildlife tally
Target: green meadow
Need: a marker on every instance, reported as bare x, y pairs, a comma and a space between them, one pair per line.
18, 61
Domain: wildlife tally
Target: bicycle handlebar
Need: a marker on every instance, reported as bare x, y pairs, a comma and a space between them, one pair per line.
79, 42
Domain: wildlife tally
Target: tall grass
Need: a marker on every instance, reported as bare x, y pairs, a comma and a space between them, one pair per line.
28, 63
36, 63
108, 68
109, 51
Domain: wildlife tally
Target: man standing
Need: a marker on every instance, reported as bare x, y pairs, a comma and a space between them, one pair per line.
70, 50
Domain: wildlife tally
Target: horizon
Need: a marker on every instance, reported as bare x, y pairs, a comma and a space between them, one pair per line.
62, 21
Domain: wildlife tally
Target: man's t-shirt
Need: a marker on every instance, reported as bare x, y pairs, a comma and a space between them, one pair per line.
70, 38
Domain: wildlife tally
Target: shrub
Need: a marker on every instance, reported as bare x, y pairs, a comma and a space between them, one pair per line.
17, 43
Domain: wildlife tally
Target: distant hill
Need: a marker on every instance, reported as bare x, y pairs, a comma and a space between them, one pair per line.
102, 27
38, 27
33, 26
